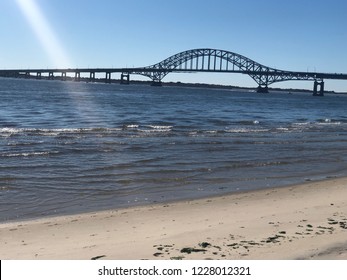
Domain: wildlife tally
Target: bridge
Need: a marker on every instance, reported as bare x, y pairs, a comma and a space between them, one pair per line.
196, 60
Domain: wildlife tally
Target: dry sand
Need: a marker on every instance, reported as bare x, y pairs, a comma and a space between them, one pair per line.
308, 221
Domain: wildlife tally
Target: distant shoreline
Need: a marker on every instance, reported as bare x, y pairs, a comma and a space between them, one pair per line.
174, 84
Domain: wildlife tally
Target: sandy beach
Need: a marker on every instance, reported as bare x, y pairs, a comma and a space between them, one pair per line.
307, 221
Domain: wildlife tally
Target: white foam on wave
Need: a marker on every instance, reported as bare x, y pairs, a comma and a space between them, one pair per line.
160, 127
156, 128
193, 133
320, 122
301, 124
246, 130
8, 131
131, 126
28, 154
329, 122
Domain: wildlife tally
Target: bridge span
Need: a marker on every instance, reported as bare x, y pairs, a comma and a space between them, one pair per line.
196, 60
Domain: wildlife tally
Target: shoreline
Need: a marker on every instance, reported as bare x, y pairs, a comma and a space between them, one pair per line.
165, 202
179, 84
306, 221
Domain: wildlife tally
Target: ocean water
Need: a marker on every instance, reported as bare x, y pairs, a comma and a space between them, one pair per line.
69, 147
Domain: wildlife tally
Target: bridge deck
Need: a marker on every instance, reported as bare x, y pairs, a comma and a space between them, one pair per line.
317, 75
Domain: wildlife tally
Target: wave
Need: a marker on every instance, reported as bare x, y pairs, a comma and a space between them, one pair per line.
31, 154
246, 130
7, 131
153, 130
320, 122
248, 122
160, 127
329, 122
139, 130
130, 126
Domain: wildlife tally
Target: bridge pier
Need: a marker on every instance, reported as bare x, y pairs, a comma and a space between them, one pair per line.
263, 89
321, 88
63, 76
92, 76
51, 76
108, 78
77, 76
156, 84
125, 78
38, 75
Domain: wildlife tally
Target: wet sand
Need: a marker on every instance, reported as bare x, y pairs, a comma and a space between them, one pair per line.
306, 221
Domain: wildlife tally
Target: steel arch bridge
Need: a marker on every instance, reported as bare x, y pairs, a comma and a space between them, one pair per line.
214, 60
195, 60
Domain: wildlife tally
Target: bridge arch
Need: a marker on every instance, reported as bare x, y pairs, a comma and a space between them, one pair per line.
209, 60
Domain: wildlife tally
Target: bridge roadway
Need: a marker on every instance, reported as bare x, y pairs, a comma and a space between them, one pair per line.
196, 60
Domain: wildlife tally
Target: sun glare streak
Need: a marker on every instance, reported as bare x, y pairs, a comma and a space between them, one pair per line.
85, 107
44, 33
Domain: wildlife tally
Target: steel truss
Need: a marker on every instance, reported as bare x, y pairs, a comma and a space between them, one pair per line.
213, 60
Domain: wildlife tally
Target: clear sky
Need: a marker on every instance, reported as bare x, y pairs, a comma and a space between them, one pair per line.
301, 35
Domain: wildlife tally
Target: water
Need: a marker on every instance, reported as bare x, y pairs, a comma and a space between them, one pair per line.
70, 147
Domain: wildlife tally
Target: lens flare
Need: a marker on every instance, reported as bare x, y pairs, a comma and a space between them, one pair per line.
44, 33
85, 106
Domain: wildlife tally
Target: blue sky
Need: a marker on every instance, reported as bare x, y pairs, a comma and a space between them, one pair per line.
302, 35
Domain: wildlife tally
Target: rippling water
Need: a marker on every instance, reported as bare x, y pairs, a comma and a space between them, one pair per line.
72, 147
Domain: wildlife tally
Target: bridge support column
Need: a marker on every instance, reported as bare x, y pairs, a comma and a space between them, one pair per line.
51, 76
263, 89
321, 88
125, 78
63, 76
108, 78
92, 76
77, 76
38, 75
